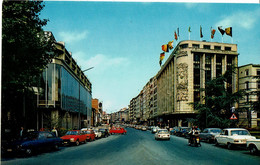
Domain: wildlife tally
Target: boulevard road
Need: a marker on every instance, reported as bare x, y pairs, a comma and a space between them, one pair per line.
139, 148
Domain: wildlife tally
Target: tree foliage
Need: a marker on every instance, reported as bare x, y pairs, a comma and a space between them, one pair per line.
214, 109
25, 46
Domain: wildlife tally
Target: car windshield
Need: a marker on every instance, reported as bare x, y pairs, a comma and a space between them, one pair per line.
215, 131
87, 132
31, 135
240, 132
162, 131
72, 133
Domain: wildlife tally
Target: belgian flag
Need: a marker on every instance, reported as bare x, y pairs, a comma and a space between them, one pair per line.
229, 31
165, 48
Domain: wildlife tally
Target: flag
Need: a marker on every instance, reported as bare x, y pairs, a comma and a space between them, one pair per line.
221, 30
178, 32
229, 31
162, 55
176, 37
189, 29
201, 35
160, 62
165, 48
212, 33
170, 45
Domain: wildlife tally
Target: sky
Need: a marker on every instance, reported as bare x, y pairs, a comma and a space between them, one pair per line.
122, 40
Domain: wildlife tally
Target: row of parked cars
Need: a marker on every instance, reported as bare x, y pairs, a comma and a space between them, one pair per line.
35, 141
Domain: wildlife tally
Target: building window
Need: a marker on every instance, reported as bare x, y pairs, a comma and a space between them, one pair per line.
196, 58
206, 46
195, 45
247, 85
258, 85
228, 48
247, 97
247, 72
183, 46
217, 47
258, 72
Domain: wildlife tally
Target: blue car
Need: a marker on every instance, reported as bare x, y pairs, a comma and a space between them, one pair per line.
33, 142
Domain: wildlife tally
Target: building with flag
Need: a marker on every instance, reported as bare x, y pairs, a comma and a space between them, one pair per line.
180, 78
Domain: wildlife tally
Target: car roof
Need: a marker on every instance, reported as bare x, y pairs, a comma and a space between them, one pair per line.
234, 129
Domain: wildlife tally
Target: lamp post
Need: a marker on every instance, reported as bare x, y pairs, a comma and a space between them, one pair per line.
79, 119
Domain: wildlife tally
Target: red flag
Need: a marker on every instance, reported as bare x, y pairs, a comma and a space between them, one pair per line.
165, 48
176, 36
213, 33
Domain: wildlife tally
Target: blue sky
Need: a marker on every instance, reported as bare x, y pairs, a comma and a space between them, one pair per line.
122, 40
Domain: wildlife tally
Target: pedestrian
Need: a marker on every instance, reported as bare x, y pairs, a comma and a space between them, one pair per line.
55, 131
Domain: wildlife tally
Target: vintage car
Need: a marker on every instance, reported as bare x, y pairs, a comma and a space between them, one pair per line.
117, 131
162, 134
208, 134
74, 137
89, 133
253, 146
233, 137
97, 133
32, 142
104, 132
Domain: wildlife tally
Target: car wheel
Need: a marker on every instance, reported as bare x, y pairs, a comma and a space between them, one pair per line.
253, 149
216, 143
229, 146
77, 143
56, 147
85, 141
28, 152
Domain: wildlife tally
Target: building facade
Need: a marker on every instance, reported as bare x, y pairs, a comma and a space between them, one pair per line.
250, 83
186, 70
64, 93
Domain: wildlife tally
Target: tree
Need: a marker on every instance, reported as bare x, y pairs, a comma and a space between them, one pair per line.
25, 53
214, 109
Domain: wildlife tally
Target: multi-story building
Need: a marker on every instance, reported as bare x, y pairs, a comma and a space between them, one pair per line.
249, 82
146, 101
97, 112
153, 101
186, 70
64, 93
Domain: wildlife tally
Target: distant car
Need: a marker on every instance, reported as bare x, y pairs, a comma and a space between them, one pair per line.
74, 137
162, 134
104, 132
90, 134
97, 133
117, 131
154, 129
208, 134
233, 137
173, 130
181, 131
144, 128
32, 142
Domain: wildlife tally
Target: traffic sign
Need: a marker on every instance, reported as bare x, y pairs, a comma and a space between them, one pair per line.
233, 117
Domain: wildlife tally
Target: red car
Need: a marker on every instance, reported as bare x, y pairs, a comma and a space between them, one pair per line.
74, 137
117, 131
90, 134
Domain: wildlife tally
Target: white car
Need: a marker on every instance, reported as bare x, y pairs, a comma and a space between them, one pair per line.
233, 136
162, 134
98, 134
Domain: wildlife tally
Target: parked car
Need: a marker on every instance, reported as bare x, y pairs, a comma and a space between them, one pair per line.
155, 129
253, 146
208, 134
162, 134
233, 136
173, 130
97, 133
181, 131
90, 134
74, 137
117, 131
104, 132
32, 142
144, 128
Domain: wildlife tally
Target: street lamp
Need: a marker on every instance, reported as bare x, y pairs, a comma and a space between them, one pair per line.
79, 120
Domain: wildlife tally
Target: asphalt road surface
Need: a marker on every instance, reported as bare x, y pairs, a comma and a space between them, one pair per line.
139, 148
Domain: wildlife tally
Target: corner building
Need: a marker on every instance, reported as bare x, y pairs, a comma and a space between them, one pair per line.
186, 70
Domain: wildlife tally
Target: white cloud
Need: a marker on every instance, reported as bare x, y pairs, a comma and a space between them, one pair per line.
243, 19
70, 37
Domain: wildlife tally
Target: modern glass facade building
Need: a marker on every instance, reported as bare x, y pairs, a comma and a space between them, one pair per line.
64, 94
